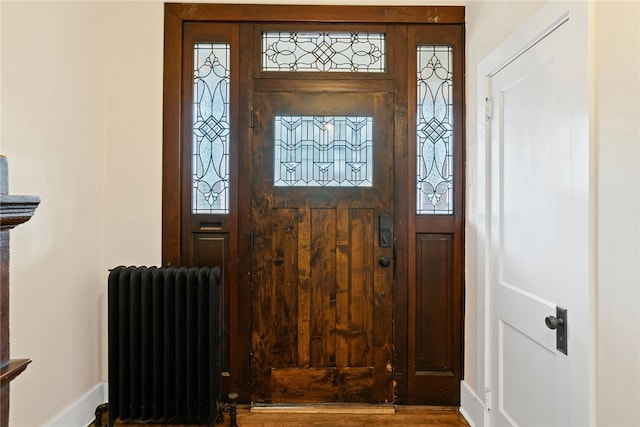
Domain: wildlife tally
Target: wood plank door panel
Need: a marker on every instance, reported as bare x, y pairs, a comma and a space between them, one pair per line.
322, 303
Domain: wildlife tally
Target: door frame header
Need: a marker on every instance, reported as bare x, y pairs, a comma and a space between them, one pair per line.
317, 13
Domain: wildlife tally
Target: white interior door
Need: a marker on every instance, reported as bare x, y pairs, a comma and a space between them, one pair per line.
538, 206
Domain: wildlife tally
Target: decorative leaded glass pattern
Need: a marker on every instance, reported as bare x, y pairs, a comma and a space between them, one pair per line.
211, 128
319, 151
434, 131
322, 51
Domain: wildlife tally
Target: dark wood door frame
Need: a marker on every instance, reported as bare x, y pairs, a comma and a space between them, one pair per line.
411, 231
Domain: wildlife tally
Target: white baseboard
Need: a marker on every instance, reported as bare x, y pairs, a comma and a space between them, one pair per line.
81, 413
471, 407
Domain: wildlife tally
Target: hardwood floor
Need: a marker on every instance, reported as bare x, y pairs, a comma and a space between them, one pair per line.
403, 416
408, 416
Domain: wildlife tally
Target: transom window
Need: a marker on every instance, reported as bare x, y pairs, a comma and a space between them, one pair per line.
323, 51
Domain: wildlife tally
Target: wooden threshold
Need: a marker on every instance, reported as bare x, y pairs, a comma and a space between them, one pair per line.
323, 408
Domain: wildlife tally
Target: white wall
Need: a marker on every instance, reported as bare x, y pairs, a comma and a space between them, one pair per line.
53, 112
81, 126
616, 37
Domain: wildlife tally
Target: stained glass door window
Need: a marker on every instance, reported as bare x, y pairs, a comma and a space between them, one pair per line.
211, 124
323, 51
321, 151
434, 130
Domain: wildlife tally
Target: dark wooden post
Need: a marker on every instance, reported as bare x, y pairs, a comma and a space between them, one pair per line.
14, 210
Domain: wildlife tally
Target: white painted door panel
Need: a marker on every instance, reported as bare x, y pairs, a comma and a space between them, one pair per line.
538, 205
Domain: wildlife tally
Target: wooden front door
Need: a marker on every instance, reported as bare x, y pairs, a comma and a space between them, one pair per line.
322, 209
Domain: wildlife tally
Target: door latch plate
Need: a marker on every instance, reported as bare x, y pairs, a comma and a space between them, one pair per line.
384, 228
561, 330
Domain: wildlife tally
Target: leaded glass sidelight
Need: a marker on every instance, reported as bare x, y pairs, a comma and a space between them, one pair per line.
434, 130
321, 151
211, 128
323, 51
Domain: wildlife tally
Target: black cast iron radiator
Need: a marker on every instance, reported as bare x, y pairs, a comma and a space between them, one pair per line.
164, 344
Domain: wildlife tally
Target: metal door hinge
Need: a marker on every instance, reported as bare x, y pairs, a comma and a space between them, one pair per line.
488, 108
395, 262
487, 399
